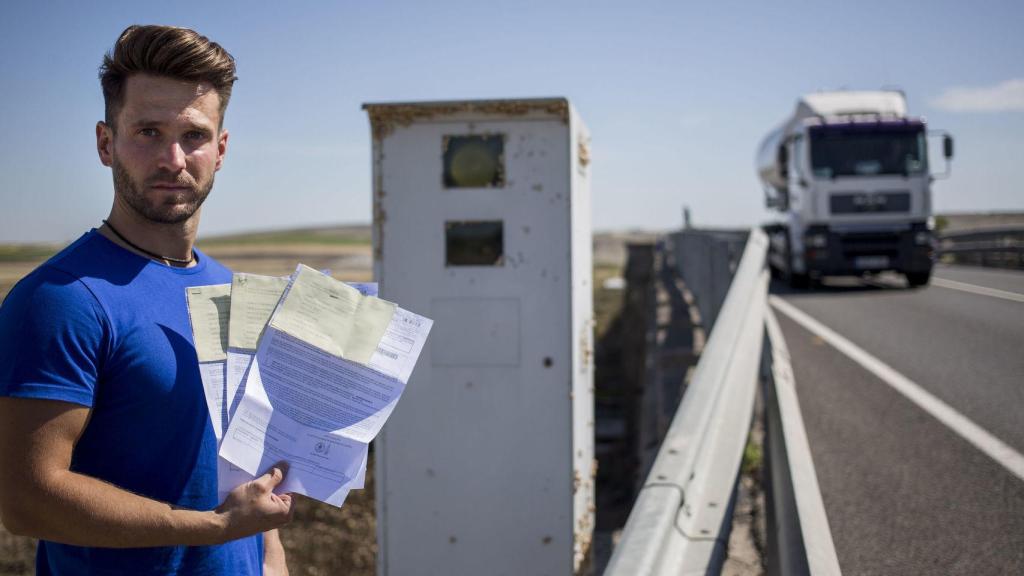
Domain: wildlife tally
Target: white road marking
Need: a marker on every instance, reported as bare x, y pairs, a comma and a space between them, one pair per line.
975, 289
821, 550
993, 447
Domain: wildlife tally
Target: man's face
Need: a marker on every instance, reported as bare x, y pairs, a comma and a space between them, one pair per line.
165, 147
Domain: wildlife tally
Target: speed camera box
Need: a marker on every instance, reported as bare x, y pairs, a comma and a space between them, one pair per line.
481, 221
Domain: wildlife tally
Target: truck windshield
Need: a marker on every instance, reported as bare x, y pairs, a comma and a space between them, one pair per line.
867, 150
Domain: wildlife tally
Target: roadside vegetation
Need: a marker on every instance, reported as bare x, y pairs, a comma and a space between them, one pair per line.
607, 301
27, 252
344, 235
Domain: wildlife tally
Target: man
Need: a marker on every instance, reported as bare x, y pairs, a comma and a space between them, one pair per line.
107, 454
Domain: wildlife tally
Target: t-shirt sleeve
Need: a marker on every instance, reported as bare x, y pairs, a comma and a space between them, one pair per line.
53, 337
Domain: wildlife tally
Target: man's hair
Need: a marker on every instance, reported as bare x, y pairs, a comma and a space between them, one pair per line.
168, 51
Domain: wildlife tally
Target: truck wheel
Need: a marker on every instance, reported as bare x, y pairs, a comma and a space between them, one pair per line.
915, 279
795, 280
800, 281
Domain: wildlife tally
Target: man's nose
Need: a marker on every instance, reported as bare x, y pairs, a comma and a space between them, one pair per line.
172, 157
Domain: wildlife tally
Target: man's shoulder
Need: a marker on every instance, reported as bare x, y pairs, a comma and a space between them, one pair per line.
48, 288
214, 268
86, 256
92, 273
59, 275
48, 293
53, 328
85, 247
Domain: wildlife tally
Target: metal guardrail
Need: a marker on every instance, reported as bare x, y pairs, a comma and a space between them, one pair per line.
680, 521
994, 247
681, 514
706, 260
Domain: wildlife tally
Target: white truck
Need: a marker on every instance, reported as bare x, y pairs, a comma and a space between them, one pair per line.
848, 174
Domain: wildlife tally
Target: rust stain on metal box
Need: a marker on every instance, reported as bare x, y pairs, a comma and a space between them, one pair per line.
385, 117
583, 152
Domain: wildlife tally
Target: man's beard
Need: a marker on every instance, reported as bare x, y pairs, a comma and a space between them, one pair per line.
181, 210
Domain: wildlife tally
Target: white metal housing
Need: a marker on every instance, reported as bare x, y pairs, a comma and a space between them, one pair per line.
486, 465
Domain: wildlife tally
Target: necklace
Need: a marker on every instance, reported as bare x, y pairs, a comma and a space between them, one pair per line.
191, 257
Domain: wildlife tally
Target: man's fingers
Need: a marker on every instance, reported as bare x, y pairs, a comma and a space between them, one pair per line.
289, 502
273, 477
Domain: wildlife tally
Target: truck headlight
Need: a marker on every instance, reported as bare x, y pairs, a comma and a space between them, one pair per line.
923, 238
816, 240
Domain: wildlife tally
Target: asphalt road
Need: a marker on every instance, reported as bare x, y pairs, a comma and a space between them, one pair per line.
904, 492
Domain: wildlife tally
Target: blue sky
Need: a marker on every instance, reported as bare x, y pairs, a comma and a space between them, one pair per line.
677, 96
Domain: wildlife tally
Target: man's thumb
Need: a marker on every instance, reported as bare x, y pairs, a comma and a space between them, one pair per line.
274, 476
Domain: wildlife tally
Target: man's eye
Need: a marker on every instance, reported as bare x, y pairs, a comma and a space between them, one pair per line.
195, 135
148, 132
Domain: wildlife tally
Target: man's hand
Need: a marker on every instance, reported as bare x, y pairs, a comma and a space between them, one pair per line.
253, 507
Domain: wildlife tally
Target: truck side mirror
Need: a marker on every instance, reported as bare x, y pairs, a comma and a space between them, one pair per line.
776, 199
947, 151
782, 160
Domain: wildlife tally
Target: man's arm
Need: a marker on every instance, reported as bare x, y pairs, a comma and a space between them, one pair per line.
274, 563
41, 497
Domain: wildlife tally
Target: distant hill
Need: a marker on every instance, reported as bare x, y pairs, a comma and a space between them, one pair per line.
342, 235
609, 245
28, 252
345, 234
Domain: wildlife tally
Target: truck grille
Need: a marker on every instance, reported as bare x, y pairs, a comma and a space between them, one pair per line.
870, 202
870, 244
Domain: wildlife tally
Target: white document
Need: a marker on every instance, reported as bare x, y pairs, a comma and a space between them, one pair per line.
316, 409
331, 315
254, 298
238, 366
321, 464
212, 375
208, 308
401, 345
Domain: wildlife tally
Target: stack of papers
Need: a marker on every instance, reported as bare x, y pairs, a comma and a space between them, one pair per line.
304, 370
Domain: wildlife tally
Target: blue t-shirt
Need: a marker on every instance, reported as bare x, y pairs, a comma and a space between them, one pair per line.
99, 326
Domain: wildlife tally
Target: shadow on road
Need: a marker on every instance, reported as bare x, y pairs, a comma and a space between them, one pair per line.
843, 286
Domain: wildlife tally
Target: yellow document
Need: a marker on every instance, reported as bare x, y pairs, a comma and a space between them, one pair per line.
253, 299
333, 316
208, 309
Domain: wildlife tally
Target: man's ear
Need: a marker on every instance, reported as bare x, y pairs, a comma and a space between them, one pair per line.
105, 143
222, 148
